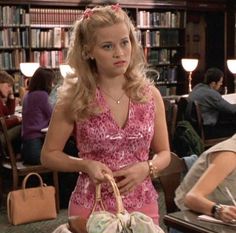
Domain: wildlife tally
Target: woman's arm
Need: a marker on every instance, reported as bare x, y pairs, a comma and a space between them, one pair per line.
53, 157
160, 141
222, 164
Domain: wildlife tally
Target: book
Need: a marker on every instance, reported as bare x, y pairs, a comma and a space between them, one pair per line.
208, 218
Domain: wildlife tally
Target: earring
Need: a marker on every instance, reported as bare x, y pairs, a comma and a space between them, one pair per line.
92, 58
85, 55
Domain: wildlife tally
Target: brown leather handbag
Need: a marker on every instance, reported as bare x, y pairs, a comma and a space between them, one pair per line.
31, 204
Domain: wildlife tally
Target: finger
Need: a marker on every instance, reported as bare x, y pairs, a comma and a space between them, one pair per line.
123, 182
125, 190
119, 173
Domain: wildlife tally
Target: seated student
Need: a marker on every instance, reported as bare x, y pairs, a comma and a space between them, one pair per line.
7, 109
203, 189
219, 116
23, 89
36, 114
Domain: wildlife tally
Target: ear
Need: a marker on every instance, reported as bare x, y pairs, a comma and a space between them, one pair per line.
85, 52
85, 55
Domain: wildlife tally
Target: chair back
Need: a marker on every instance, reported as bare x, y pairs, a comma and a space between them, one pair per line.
170, 179
18, 168
171, 110
6, 144
182, 104
208, 142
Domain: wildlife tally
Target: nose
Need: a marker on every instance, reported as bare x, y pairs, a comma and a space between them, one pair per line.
118, 52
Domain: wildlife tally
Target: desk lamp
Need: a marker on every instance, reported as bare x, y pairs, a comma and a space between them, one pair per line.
189, 65
231, 63
28, 68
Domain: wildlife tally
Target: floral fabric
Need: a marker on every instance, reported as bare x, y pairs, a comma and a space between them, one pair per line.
100, 138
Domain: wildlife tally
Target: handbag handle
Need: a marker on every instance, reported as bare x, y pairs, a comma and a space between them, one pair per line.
31, 174
26, 179
119, 203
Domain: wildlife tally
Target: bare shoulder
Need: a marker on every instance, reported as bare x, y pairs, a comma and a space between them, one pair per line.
156, 93
61, 115
224, 159
157, 97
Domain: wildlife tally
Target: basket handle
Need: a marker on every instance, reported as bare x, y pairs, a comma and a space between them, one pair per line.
119, 203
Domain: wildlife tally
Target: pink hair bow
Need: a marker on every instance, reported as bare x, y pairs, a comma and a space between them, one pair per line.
87, 13
115, 7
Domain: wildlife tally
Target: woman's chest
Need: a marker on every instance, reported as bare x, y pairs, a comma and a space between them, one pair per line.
103, 130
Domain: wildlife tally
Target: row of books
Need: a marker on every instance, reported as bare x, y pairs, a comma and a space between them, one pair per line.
56, 37
50, 59
160, 56
14, 37
44, 16
51, 38
158, 38
158, 19
167, 75
17, 16
13, 15
11, 60
167, 90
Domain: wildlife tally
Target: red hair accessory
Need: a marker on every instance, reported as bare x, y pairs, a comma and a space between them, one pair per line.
87, 13
116, 7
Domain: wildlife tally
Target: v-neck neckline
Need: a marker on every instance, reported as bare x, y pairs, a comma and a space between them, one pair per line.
108, 111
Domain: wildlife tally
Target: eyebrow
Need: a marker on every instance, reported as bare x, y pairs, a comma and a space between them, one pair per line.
106, 42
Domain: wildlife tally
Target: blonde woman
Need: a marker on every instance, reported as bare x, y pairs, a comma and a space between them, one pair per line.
115, 112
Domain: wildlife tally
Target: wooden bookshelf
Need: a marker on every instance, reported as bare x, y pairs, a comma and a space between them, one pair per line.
161, 35
36, 30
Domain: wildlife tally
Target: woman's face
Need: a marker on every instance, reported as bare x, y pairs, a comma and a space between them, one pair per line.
112, 50
5, 89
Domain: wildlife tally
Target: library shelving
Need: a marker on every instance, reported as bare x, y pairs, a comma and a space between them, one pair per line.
39, 31
36, 30
161, 32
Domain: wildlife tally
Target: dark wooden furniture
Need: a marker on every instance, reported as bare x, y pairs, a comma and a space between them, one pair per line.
18, 169
208, 142
170, 179
171, 110
186, 222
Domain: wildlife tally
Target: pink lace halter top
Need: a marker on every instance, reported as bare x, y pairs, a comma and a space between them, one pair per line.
100, 138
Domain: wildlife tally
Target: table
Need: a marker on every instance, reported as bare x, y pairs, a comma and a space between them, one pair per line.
187, 222
231, 98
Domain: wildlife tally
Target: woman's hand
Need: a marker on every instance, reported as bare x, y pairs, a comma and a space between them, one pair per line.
96, 171
129, 177
228, 214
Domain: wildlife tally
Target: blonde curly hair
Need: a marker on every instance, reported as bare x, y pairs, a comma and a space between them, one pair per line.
79, 89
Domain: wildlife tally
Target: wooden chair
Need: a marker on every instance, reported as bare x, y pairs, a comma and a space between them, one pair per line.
171, 110
208, 142
182, 104
18, 168
170, 179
